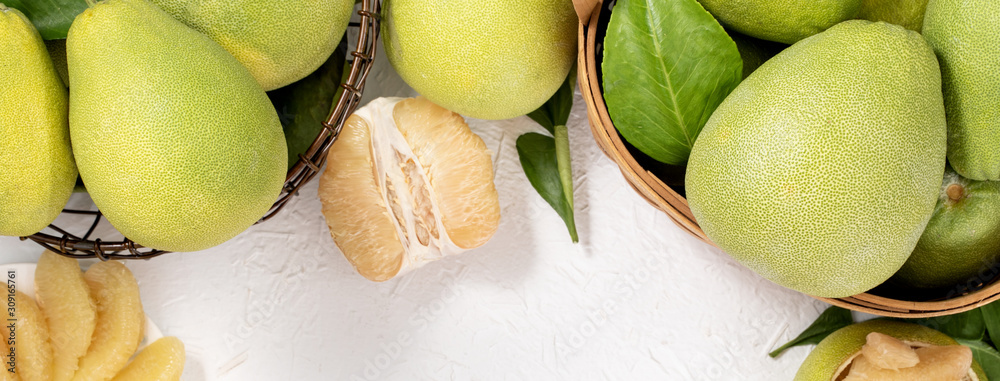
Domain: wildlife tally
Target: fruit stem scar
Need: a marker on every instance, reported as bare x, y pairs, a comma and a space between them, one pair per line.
955, 192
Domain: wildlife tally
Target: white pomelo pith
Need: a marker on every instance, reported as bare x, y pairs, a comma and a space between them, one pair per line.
822, 168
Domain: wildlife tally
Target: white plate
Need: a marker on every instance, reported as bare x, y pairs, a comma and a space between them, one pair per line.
24, 281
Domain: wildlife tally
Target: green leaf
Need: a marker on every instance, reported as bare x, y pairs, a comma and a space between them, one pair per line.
537, 153
667, 65
555, 112
986, 356
991, 317
304, 105
52, 18
832, 319
967, 325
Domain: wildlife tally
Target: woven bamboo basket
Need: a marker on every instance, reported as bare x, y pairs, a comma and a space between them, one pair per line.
639, 170
83, 245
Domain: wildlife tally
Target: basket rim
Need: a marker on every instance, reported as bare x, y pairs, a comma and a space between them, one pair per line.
304, 170
661, 196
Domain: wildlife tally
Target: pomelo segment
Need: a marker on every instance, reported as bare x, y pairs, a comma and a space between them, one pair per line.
119, 321
840, 356
31, 346
888, 352
163, 360
406, 183
70, 313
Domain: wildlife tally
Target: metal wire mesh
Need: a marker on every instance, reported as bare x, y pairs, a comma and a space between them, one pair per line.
308, 165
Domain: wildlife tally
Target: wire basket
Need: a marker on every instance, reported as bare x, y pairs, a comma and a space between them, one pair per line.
640, 172
84, 246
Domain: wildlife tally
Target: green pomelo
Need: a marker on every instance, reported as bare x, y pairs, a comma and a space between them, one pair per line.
832, 355
785, 21
753, 51
965, 34
35, 156
962, 240
279, 41
906, 13
177, 143
482, 59
821, 169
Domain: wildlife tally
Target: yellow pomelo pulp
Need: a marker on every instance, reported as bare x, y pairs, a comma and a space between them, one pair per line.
120, 321
482, 59
32, 350
37, 171
163, 360
822, 168
834, 357
70, 313
407, 182
178, 145
280, 42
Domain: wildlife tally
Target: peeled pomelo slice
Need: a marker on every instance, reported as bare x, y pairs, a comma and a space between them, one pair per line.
163, 360
840, 356
888, 352
406, 183
70, 313
31, 346
6, 374
119, 321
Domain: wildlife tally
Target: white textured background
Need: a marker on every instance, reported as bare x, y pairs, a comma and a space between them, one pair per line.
636, 299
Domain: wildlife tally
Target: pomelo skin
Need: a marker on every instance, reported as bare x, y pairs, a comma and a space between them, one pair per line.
36, 161
481, 59
966, 37
826, 360
822, 168
962, 239
906, 13
179, 146
785, 21
279, 41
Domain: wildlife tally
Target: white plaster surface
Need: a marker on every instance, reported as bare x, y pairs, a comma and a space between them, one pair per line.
636, 299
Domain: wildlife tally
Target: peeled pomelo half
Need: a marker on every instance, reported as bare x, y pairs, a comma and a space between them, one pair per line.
163, 360
33, 353
407, 182
70, 313
120, 321
854, 353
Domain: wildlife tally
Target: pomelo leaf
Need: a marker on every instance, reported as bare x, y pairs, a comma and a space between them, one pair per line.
986, 356
832, 319
967, 325
52, 18
667, 65
537, 154
991, 316
556, 110
303, 106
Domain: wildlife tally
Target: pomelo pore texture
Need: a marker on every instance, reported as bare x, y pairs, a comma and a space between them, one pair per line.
36, 163
785, 21
830, 355
280, 42
179, 146
481, 59
822, 168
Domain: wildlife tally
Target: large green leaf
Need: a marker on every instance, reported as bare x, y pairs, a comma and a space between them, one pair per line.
52, 18
829, 321
967, 325
667, 66
986, 356
991, 316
